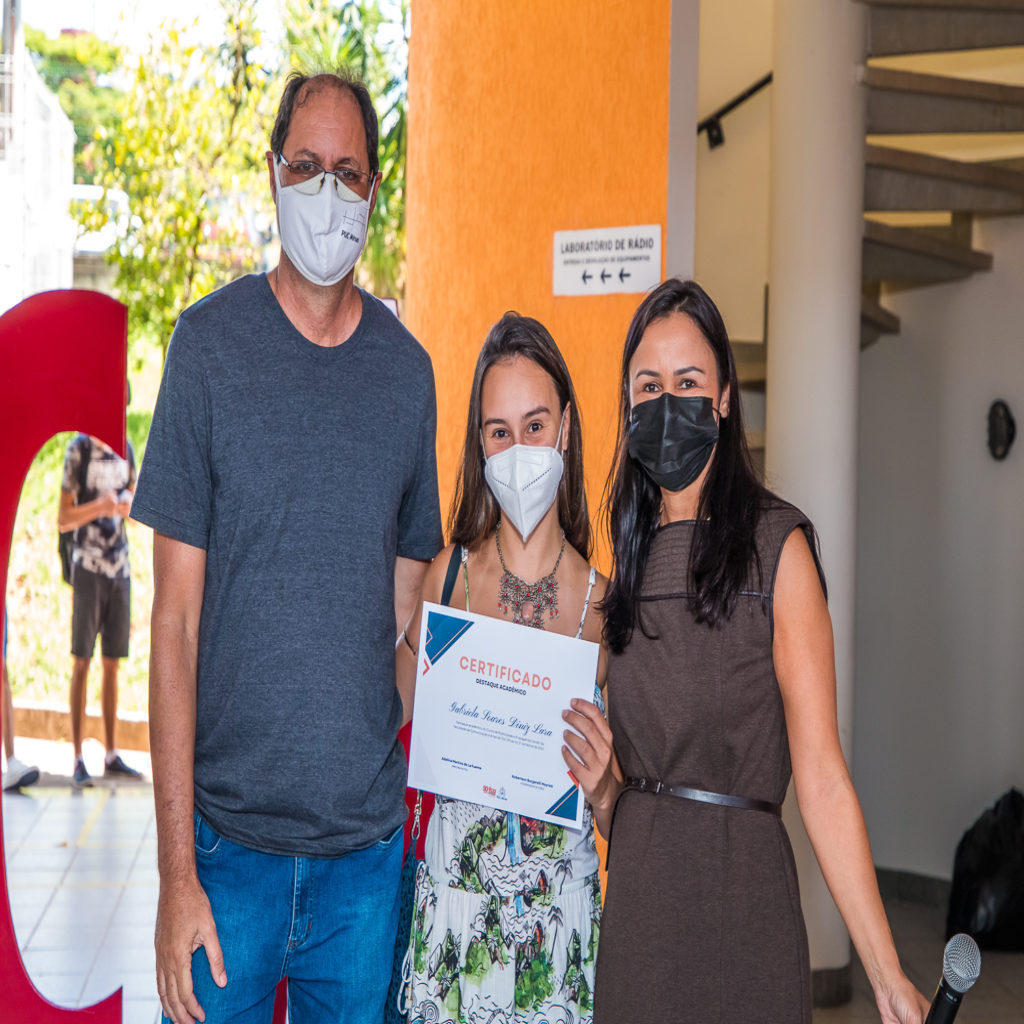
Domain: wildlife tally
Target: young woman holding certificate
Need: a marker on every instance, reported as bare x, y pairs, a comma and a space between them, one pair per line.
721, 683
507, 909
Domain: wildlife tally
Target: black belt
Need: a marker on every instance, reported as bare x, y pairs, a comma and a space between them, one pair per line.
642, 785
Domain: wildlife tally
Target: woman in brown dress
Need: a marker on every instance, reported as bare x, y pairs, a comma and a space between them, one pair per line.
721, 683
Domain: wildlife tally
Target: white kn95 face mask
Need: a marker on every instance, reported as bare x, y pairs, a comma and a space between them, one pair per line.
524, 480
322, 234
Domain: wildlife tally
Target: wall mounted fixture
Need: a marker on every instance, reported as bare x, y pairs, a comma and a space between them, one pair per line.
1001, 429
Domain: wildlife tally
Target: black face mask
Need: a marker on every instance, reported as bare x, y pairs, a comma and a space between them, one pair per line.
672, 438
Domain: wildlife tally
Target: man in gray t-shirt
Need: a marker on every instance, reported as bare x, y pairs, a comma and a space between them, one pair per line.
290, 478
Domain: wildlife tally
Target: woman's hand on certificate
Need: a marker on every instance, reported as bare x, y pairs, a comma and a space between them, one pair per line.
589, 753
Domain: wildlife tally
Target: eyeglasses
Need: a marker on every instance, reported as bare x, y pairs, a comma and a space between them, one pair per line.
307, 177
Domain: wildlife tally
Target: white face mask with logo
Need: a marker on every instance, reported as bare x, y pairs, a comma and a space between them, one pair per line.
524, 480
322, 233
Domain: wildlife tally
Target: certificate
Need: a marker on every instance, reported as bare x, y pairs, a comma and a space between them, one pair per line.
488, 724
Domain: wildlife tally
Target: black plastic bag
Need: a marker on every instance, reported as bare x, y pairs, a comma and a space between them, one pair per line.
987, 898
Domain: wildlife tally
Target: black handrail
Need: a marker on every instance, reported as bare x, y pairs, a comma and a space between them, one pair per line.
712, 124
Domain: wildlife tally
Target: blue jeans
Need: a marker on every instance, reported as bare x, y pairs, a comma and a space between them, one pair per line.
328, 925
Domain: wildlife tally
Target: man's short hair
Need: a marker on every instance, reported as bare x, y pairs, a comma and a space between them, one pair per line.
295, 94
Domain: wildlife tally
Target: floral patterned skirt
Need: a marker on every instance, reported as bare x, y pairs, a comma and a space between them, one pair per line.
484, 958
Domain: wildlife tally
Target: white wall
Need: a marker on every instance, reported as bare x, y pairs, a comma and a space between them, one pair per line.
36, 172
731, 247
939, 715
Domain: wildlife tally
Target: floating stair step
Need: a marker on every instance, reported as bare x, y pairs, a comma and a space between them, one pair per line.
925, 26
905, 102
875, 321
909, 256
1013, 163
897, 179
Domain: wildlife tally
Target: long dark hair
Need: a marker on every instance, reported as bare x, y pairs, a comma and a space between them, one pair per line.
730, 501
474, 513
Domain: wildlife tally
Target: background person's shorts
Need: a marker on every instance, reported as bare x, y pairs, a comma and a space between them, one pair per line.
100, 605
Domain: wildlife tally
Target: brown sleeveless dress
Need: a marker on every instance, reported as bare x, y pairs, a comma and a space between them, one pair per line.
702, 920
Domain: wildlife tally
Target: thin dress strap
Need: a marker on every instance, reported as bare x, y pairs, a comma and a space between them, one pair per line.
586, 603
451, 574
465, 573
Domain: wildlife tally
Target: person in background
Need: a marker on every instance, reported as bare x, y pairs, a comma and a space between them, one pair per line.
291, 482
17, 773
508, 908
721, 682
95, 498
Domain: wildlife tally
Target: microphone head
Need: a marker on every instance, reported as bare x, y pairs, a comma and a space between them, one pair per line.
961, 962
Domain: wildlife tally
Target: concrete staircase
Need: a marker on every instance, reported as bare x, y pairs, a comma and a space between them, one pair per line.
932, 26
939, 194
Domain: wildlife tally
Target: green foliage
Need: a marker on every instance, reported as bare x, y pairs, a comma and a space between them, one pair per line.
75, 66
419, 942
575, 984
137, 428
542, 835
73, 55
372, 41
478, 959
189, 153
447, 973
186, 142
595, 934
483, 834
533, 980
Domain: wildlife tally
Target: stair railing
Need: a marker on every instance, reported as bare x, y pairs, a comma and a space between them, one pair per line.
712, 124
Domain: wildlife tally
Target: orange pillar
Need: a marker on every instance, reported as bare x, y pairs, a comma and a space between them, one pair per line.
526, 119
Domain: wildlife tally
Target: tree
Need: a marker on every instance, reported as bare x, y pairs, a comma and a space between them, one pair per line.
189, 153
372, 41
75, 66
188, 150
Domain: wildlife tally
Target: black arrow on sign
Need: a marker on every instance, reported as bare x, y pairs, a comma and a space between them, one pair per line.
623, 275
586, 276
604, 275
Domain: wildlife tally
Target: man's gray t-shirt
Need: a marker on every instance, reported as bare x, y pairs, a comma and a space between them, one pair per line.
302, 471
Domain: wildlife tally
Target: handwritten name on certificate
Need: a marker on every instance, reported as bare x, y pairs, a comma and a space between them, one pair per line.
487, 725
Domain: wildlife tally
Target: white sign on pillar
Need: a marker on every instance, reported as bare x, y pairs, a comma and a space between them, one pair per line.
602, 261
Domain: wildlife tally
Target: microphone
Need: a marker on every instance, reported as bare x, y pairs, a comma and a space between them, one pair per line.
961, 965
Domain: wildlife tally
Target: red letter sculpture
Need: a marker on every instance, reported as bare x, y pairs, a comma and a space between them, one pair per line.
62, 367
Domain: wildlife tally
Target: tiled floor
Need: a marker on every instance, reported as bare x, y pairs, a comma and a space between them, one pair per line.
83, 886
81, 874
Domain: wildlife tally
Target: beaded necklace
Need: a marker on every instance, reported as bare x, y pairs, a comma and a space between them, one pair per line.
515, 592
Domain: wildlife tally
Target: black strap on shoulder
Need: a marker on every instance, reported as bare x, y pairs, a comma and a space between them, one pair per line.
453, 572
83, 473
83, 467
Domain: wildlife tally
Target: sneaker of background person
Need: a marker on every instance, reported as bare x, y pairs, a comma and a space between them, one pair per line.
19, 774
118, 768
81, 779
